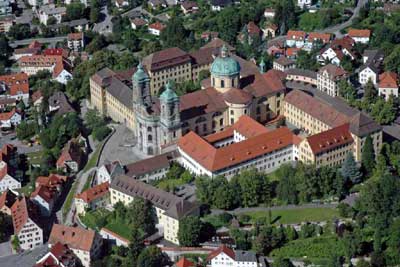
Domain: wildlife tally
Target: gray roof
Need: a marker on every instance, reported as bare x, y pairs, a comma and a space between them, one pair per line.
72, 23
284, 61
121, 92
301, 72
150, 165
362, 125
245, 256
52, 10
174, 206
374, 66
221, 2
374, 54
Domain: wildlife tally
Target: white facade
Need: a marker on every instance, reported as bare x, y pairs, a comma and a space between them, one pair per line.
304, 3
362, 40
223, 260
63, 77
295, 43
45, 207
76, 44
30, 236
154, 31
8, 182
32, 69
48, 11
14, 120
386, 92
35, 3
367, 74
326, 84
102, 175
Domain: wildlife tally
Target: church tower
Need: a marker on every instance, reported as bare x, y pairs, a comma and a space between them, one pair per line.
141, 87
170, 115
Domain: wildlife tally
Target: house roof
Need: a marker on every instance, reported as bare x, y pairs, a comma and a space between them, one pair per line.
7, 199
388, 80
295, 35
222, 249
173, 206
237, 96
36, 95
70, 152
58, 256
53, 180
215, 159
138, 21
245, 256
56, 52
359, 33
149, 165
221, 3
75, 36
7, 152
120, 91
5, 116
330, 139
74, 237
362, 125
302, 72
183, 262
21, 211
46, 193
324, 37
94, 193
165, 58
333, 70
284, 61
157, 26
15, 83
253, 29
266, 84
189, 5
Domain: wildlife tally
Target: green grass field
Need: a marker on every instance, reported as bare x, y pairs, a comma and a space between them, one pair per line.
34, 158
295, 215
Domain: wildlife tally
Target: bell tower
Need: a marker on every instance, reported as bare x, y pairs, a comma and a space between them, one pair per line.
141, 87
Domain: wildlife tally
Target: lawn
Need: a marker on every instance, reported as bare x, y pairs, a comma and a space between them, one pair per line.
35, 158
94, 158
120, 229
69, 198
169, 184
296, 215
318, 250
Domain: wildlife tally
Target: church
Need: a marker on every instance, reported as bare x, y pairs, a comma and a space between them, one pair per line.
236, 87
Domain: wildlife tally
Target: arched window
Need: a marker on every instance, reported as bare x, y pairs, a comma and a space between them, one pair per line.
150, 138
222, 83
221, 122
149, 129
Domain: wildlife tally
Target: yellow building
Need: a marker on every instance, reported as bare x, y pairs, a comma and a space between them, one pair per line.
315, 112
169, 209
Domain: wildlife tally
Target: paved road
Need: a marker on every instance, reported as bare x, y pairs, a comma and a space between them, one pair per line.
51, 40
287, 207
105, 26
22, 148
25, 259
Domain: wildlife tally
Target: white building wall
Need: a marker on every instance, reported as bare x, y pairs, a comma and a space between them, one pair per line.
30, 236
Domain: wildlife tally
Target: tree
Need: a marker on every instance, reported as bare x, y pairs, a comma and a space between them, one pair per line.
175, 171
255, 188
349, 169
152, 257
20, 31
392, 61
136, 246
368, 156
175, 33
286, 190
75, 10
282, 262
141, 214
189, 232
346, 90
6, 227
369, 92
285, 15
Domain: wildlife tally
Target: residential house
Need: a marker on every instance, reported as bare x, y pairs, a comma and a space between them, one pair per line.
95, 197
170, 209
15, 86
45, 198
6, 22
151, 169
27, 225
218, 5
157, 4
189, 7
5, 8
85, 244
275, 51
328, 78
183, 262
33, 48
337, 50
283, 64
269, 31
113, 238
10, 119
46, 12
250, 33
7, 199
374, 55
225, 256
70, 159
59, 104
53, 181
295, 38
7, 180
121, 4
76, 41
156, 28
57, 65
37, 3
269, 13
136, 23
304, 3
291, 52
360, 36
59, 255
388, 85
109, 171
368, 72
74, 25
314, 38
37, 98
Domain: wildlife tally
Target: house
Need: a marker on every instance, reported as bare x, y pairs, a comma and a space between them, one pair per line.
269, 13
6, 103
7, 181
359, 36
335, 54
113, 238
283, 64
108, 171
269, 31
249, 33
36, 3
225, 256
37, 98
170, 209
33, 48
218, 5
291, 52
15, 86
44, 197
59, 104
70, 159
151, 169
315, 37
275, 51
157, 4
295, 38
6, 22
7, 199
86, 3
46, 12
304, 3
56, 52
183, 262
388, 85
246, 143
121, 4
95, 197
62, 72
10, 119
300, 75
53, 181
328, 78
9, 155
156, 28
136, 23
368, 72
76, 41
26, 222
189, 7
59, 255
78, 25
374, 55
85, 244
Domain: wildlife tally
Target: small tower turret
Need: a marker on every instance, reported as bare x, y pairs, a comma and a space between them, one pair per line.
141, 87
169, 102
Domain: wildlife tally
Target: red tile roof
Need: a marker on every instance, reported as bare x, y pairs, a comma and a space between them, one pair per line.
388, 80
45, 192
35, 44
59, 256
324, 37
36, 95
70, 152
7, 115
359, 33
94, 193
183, 262
157, 26
53, 180
17, 82
330, 139
222, 249
214, 159
7, 152
21, 211
296, 35
74, 237
237, 96
333, 70
292, 51
253, 29
268, 83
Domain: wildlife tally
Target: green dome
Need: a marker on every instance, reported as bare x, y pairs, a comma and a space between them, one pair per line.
140, 74
225, 65
169, 94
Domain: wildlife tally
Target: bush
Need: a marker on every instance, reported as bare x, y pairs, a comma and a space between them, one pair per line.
345, 210
101, 132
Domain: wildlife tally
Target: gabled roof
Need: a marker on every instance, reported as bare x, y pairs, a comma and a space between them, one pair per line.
149, 165
165, 58
74, 237
296, 35
70, 152
222, 249
359, 33
21, 211
7, 199
5, 116
16, 83
388, 80
183, 262
284, 61
157, 26
333, 70
53, 180
253, 29
46, 193
58, 256
330, 139
362, 125
314, 36
94, 193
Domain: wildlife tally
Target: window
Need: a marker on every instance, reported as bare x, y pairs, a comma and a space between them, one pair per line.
221, 122
150, 138
222, 83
